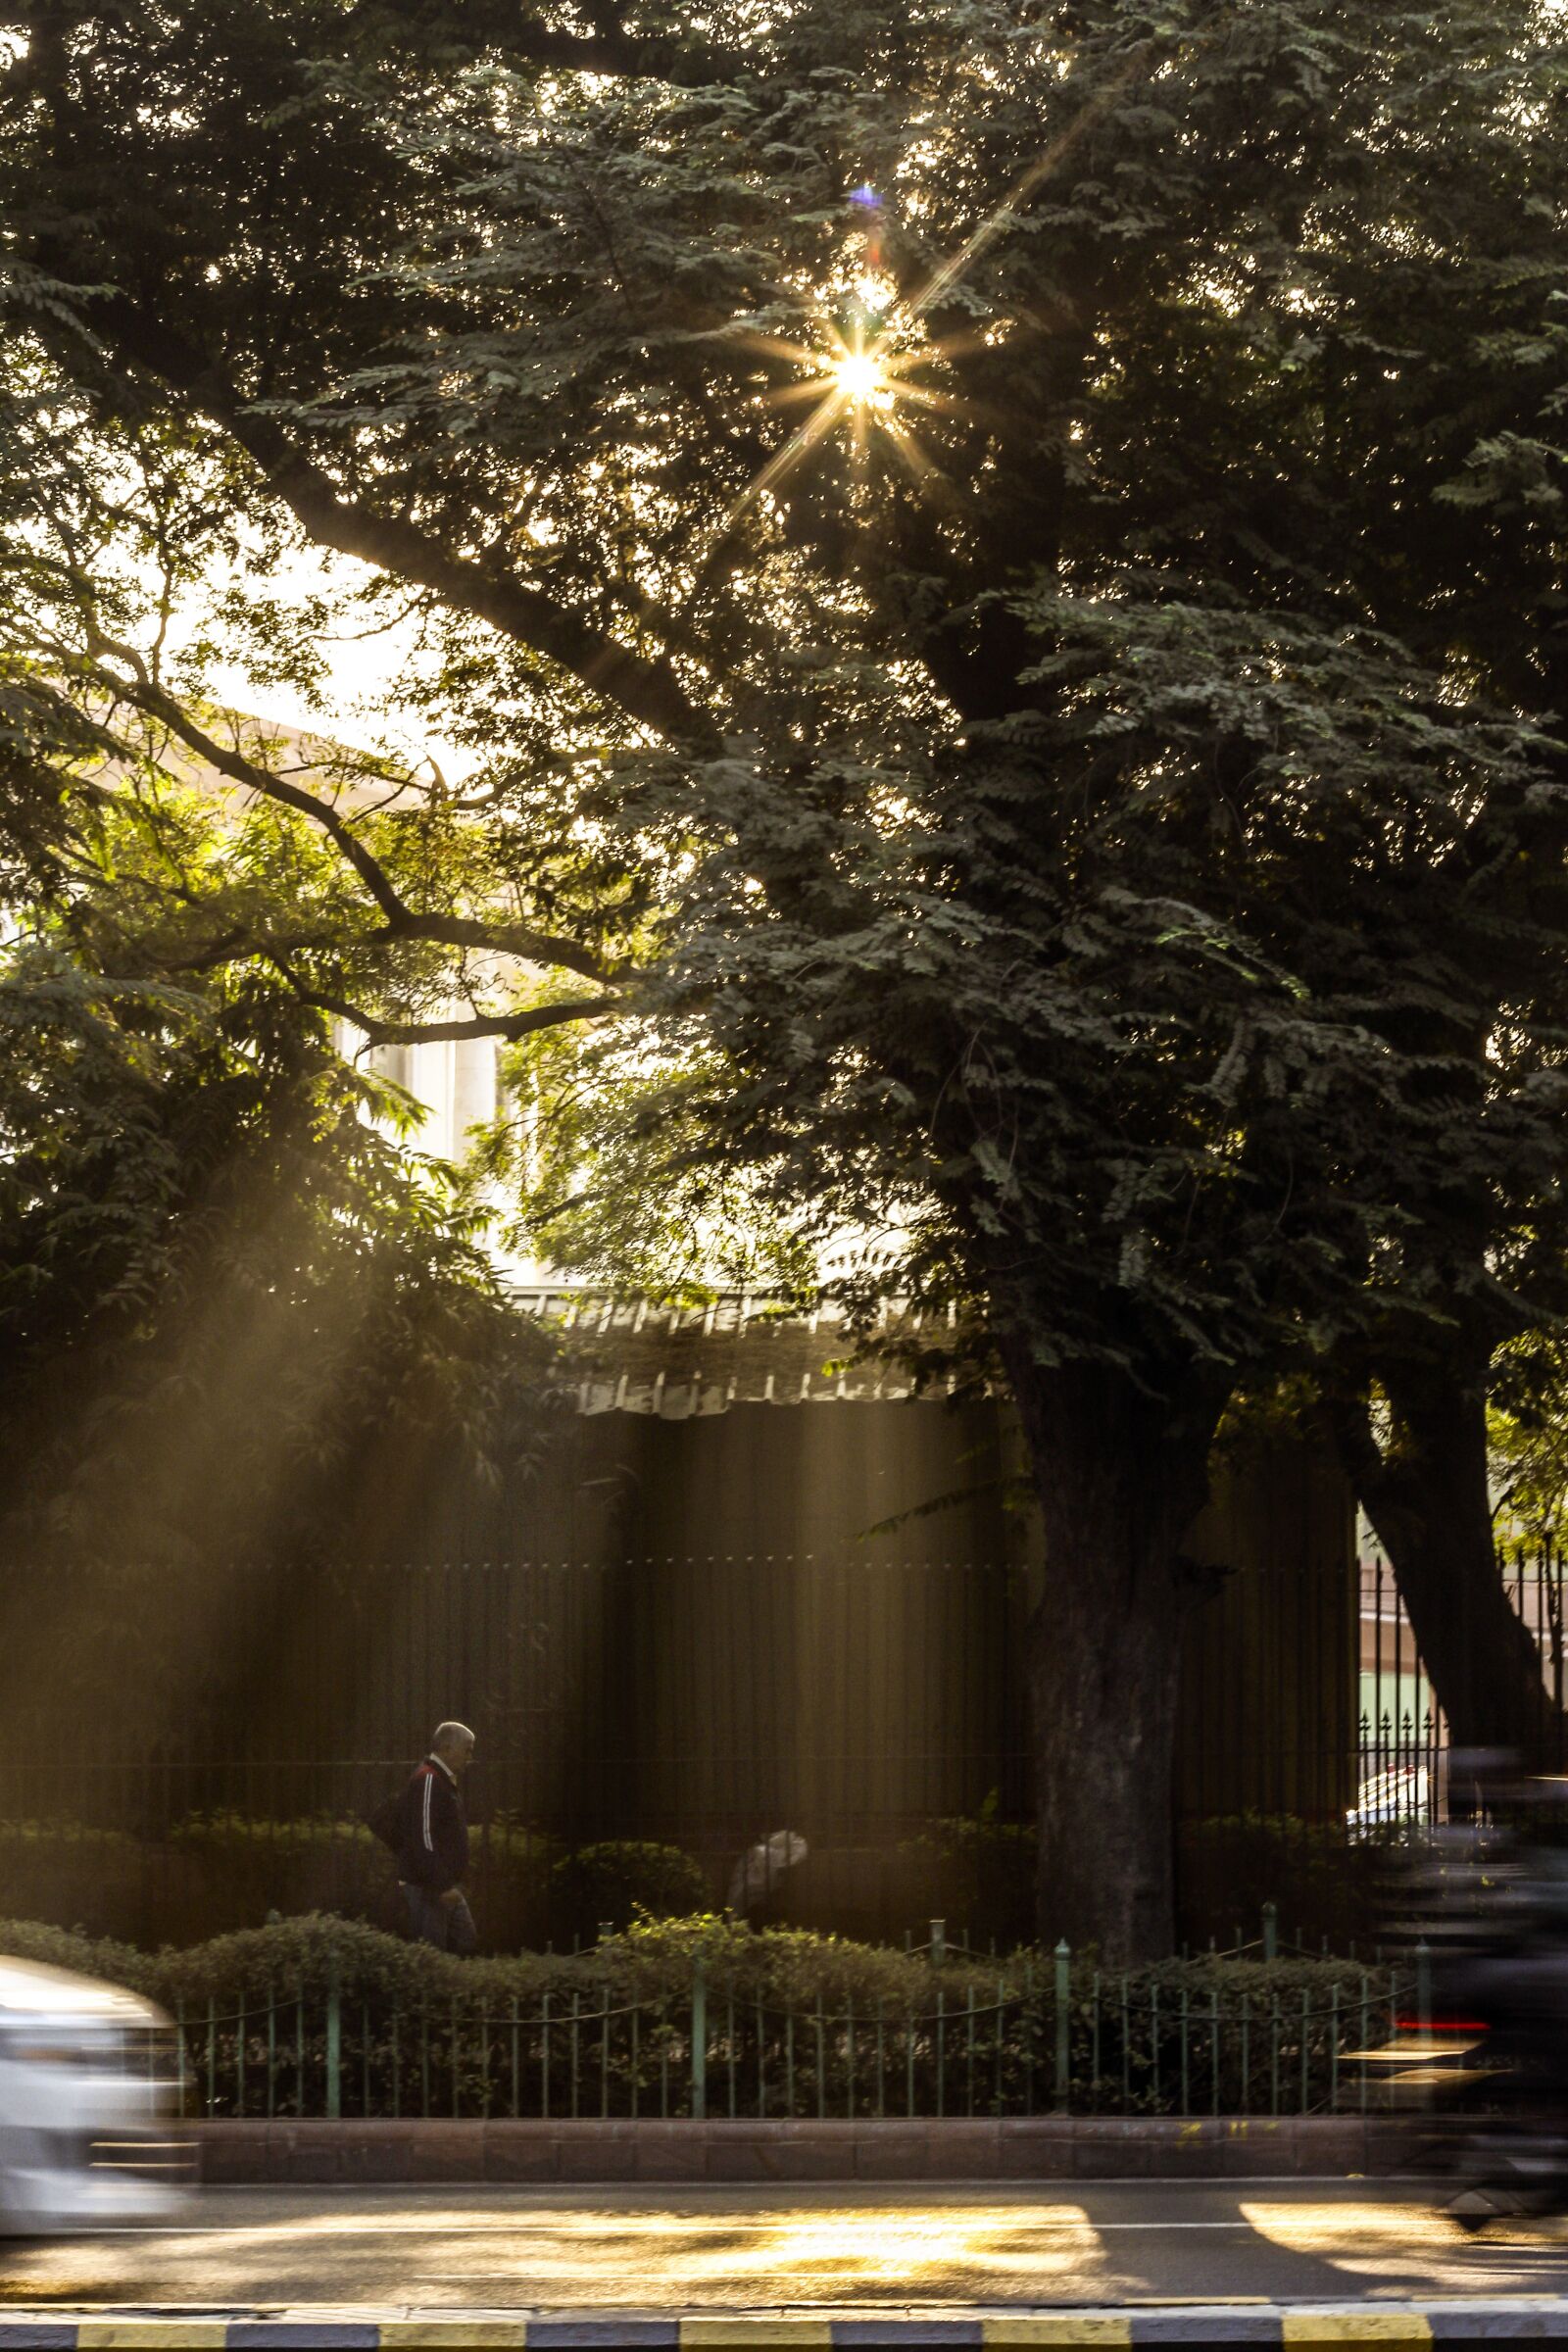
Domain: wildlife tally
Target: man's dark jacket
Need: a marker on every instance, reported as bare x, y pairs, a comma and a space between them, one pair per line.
432, 1846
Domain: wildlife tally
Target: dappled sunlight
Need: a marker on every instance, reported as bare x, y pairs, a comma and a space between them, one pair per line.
1339, 2221
699, 2254
1400, 2246
708, 2249
544, 2254
917, 2249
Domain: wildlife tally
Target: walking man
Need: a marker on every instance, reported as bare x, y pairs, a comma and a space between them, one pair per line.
432, 1848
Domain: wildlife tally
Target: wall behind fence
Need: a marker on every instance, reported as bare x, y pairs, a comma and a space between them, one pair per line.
683, 1629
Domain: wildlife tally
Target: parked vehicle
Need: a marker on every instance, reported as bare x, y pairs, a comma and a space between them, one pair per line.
89, 2098
1389, 1799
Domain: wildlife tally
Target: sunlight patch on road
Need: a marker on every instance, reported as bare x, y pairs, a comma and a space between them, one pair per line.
894, 2247
1394, 2245
790, 2251
1329, 2227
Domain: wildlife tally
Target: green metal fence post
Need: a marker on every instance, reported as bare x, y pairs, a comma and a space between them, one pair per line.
1063, 1958
1154, 2040
1306, 2047
1094, 2039
1271, 1931
698, 2042
1187, 2106
334, 2044
762, 2059
849, 2051
1423, 1990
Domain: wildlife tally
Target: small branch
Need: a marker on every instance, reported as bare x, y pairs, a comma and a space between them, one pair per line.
401, 921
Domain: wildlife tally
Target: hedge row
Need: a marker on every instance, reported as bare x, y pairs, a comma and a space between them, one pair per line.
216, 1872
793, 2023
785, 1967
213, 1874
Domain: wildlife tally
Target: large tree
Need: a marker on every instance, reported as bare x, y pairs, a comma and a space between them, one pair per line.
936, 533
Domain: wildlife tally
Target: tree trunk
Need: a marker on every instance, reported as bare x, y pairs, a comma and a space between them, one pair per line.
1121, 1474
1426, 1493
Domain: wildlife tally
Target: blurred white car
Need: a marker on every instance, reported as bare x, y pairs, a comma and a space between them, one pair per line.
1392, 1799
89, 2097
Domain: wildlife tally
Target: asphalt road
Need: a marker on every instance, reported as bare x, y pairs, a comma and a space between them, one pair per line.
696, 2249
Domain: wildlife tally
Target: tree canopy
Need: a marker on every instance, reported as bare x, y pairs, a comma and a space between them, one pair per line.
995, 575
220, 1283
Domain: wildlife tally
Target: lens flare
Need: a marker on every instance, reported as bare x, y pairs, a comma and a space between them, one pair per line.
861, 382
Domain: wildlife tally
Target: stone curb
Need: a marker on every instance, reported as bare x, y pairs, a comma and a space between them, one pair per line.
1300, 2328
290, 2150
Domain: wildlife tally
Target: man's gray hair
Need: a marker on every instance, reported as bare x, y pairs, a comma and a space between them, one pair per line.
449, 1735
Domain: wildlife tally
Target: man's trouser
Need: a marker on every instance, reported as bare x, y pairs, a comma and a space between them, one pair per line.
448, 1926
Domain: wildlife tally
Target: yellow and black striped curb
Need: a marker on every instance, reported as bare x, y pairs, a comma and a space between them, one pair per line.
1302, 2328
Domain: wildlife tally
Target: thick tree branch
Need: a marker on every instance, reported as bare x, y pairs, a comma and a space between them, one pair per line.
516, 32
649, 692
1383, 1492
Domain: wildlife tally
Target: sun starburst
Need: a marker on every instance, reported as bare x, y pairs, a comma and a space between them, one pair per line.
854, 378
862, 381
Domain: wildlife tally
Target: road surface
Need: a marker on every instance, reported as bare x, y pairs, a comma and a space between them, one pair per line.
549, 2249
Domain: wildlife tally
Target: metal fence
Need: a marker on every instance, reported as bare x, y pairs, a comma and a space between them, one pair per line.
1402, 1754
1052, 2040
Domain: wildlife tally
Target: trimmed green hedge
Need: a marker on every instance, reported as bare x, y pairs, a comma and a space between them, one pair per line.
809, 2025
786, 1967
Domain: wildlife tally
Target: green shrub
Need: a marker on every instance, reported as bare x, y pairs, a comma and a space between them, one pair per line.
89, 1879
216, 1874
612, 1884
978, 1874
1322, 1885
